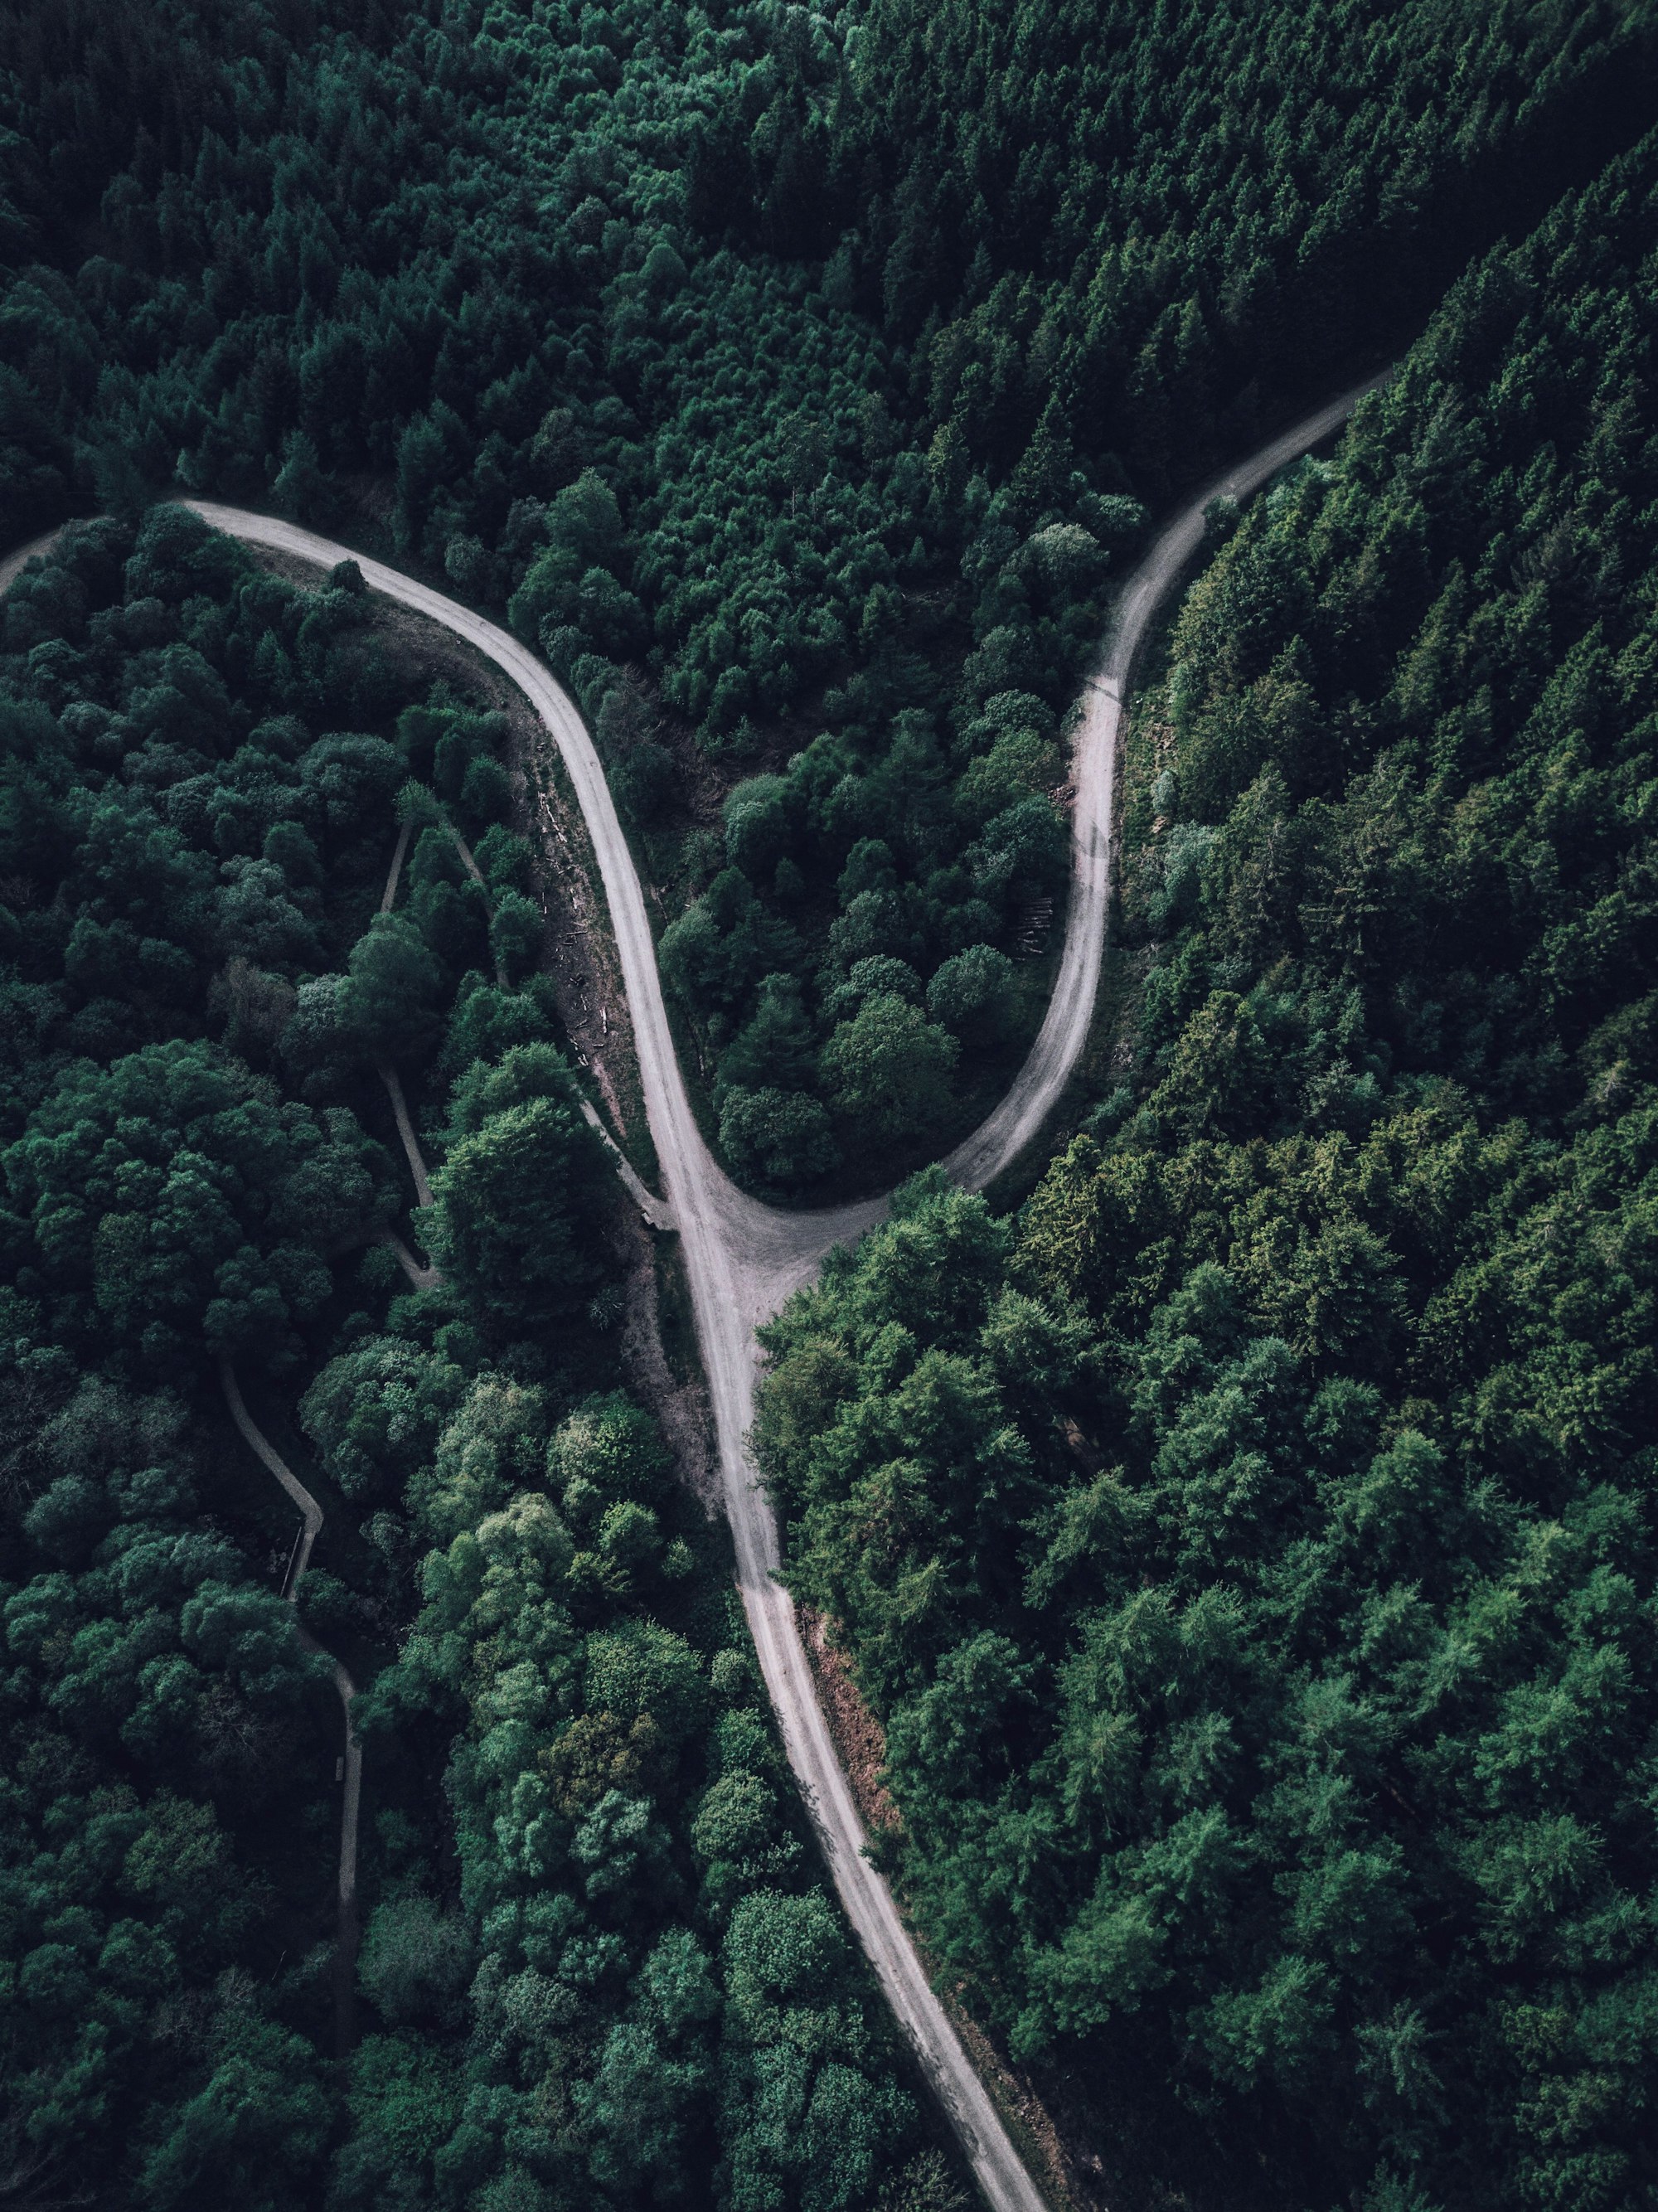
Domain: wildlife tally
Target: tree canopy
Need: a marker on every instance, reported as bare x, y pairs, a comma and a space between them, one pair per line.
1248, 1545
1242, 1536
792, 382
570, 1791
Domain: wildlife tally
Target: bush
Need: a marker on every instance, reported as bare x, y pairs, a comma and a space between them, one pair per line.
515, 934
888, 1070
416, 1963
519, 1202
972, 994
777, 1137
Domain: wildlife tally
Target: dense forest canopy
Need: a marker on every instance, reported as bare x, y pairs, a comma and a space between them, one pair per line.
790, 377
1247, 1545
597, 1964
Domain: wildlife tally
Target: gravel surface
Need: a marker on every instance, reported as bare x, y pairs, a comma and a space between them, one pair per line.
743, 1259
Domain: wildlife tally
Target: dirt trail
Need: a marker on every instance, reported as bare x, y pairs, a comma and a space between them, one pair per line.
311, 1523
412, 1151
399, 853
347, 1931
742, 1259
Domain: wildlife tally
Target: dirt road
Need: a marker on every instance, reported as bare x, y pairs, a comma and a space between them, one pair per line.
13, 565
743, 1258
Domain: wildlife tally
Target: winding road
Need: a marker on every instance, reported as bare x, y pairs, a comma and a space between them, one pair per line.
743, 1259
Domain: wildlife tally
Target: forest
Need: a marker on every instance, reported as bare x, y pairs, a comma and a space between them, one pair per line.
1248, 1544
1240, 1530
660, 329
594, 1956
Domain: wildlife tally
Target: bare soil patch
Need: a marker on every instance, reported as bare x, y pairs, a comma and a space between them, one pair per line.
859, 1736
861, 1744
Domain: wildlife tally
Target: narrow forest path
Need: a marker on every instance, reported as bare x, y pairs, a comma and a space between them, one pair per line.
411, 1143
347, 1930
743, 1258
428, 1276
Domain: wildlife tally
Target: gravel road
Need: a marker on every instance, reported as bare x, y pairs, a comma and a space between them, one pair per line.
13, 565
742, 1259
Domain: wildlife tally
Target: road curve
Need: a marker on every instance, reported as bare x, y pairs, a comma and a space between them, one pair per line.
743, 1258
1005, 1131
13, 565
